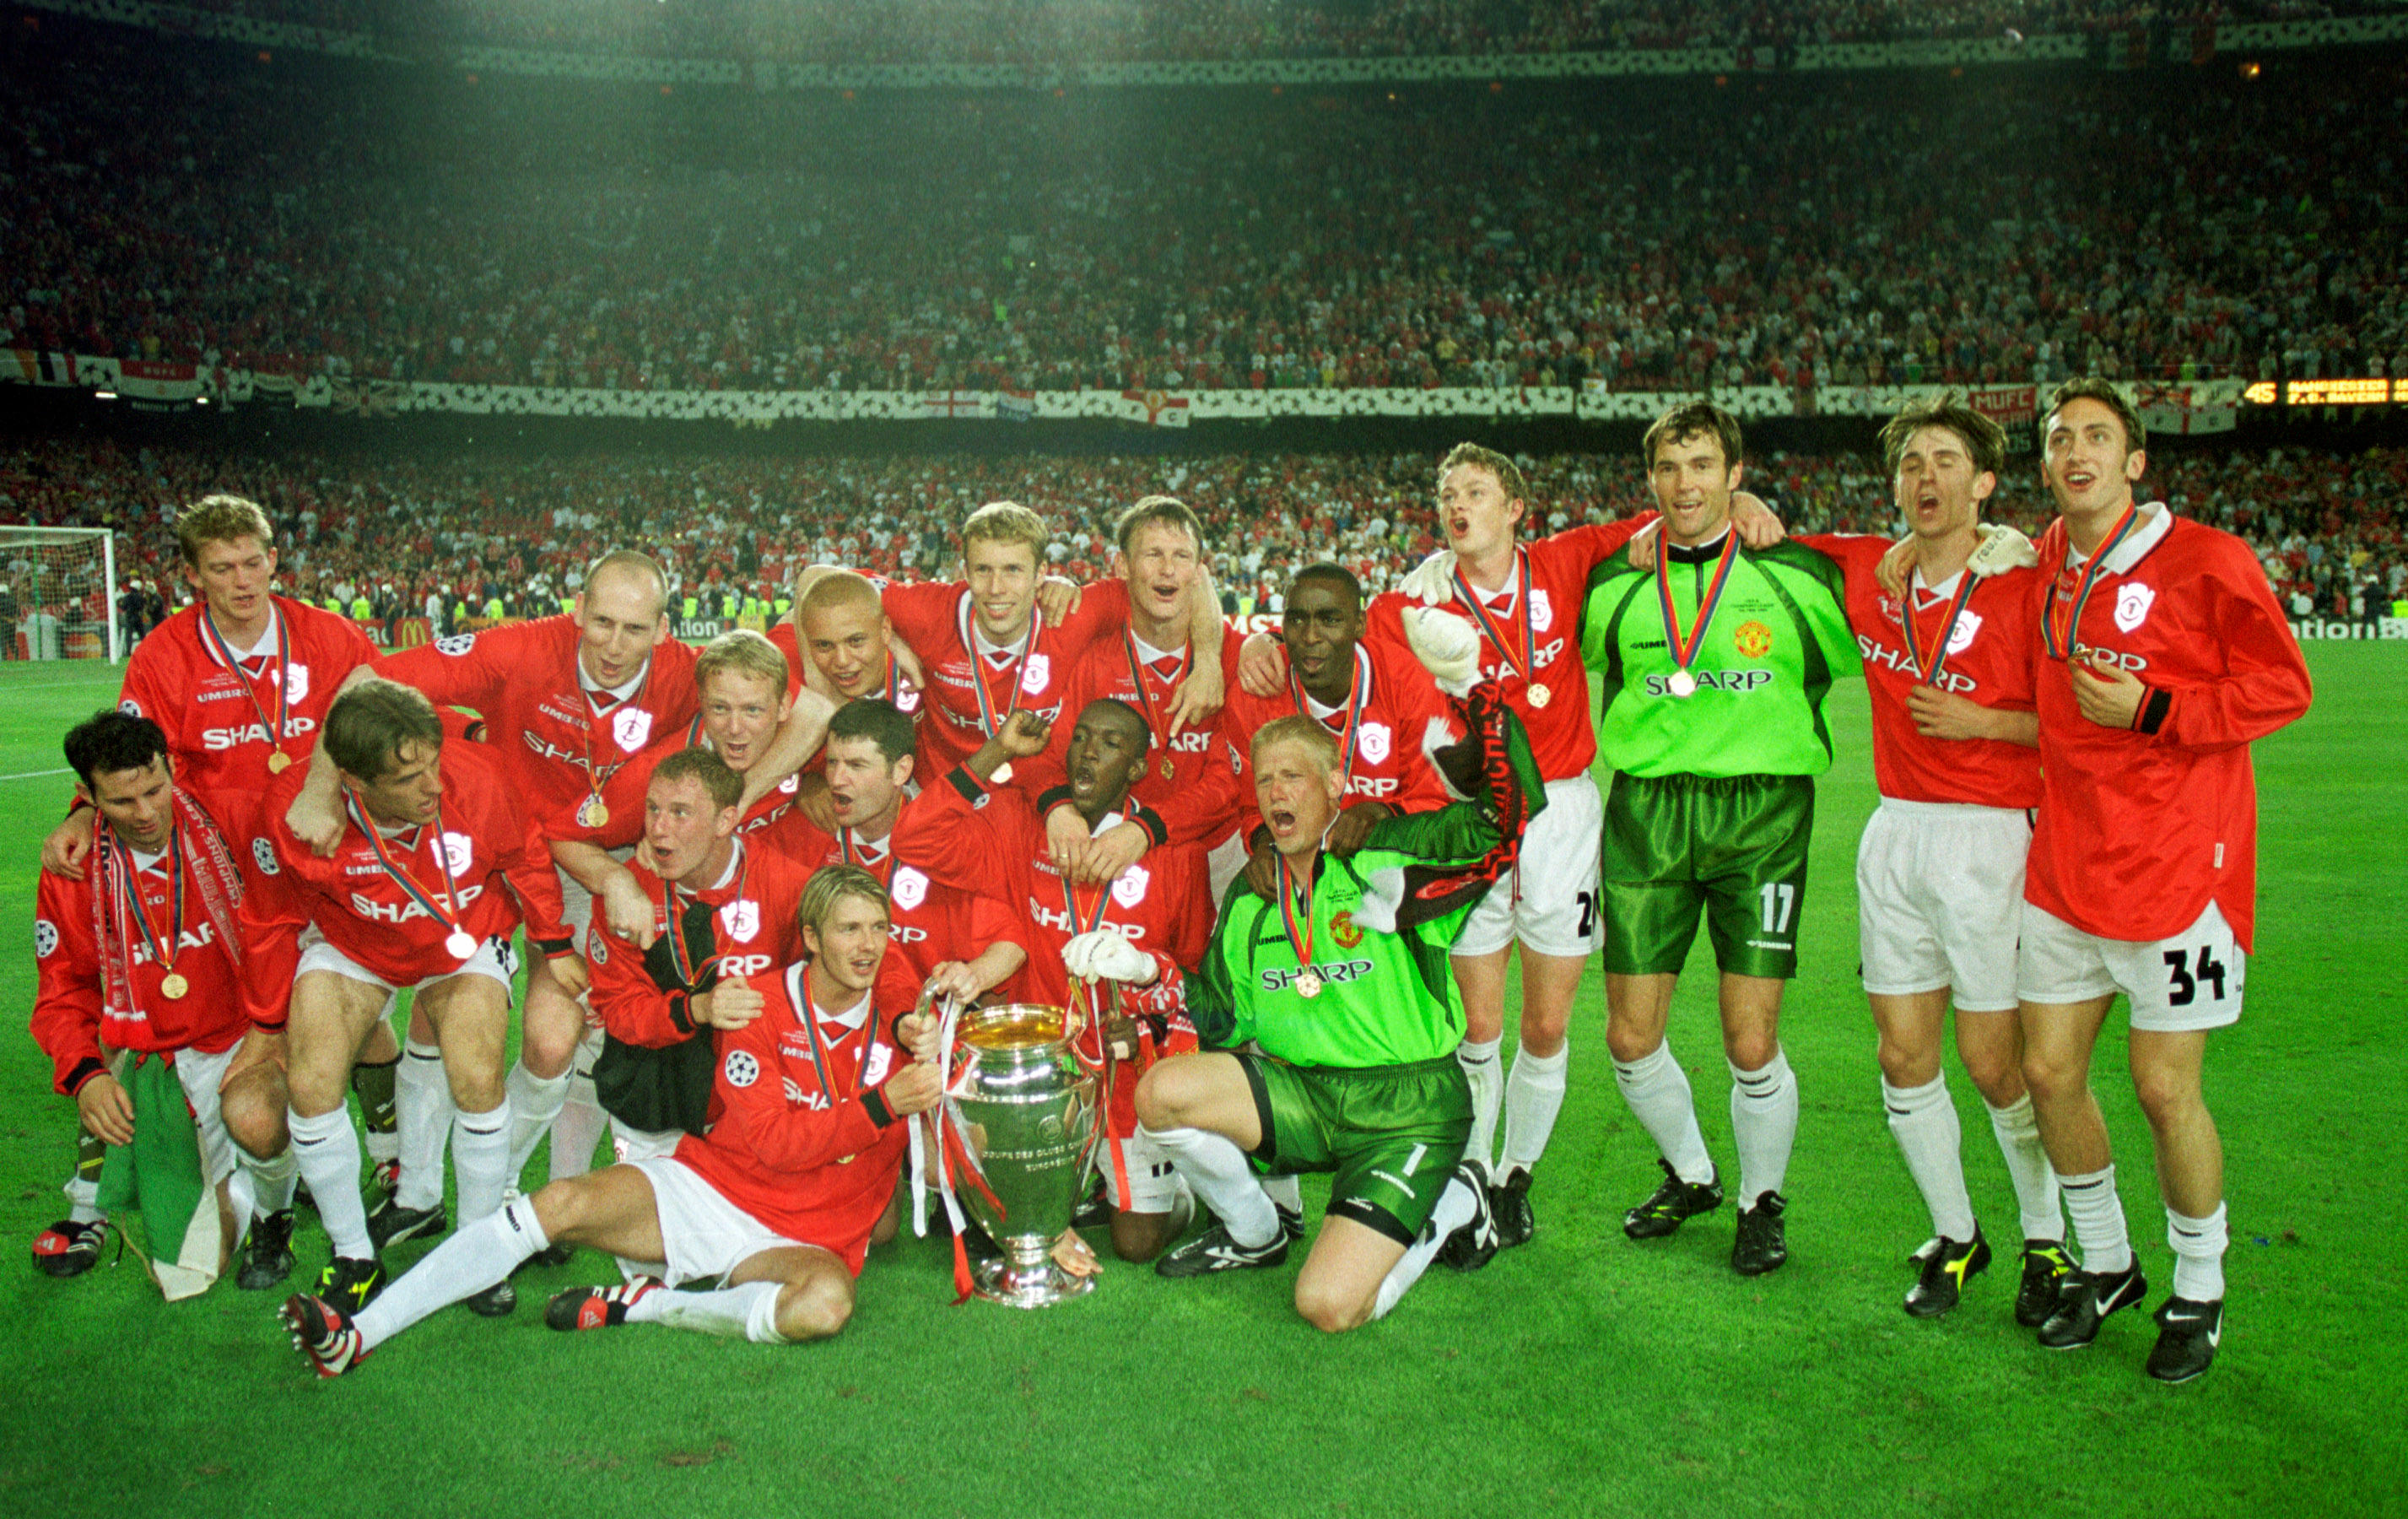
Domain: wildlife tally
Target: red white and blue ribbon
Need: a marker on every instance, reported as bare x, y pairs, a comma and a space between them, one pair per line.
2061, 646
445, 910
1357, 700
1927, 671
988, 722
1517, 657
220, 650
1685, 646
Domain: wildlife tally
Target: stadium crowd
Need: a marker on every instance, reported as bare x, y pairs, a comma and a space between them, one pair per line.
1064, 32
510, 535
287, 221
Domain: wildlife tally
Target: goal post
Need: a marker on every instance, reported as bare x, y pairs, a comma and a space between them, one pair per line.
58, 593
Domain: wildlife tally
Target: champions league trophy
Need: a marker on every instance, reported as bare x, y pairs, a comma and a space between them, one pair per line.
1020, 1118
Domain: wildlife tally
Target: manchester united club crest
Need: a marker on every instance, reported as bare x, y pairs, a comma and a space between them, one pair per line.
1375, 742
909, 888
1542, 611
296, 683
1960, 637
1342, 929
459, 853
1035, 674
1751, 638
741, 918
2132, 603
1129, 890
630, 726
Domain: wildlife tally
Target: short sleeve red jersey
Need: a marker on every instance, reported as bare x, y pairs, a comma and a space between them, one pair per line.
2140, 828
552, 732
75, 1016
640, 995
1392, 720
480, 843
1531, 647
217, 715
782, 635
932, 921
934, 619
1990, 661
1190, 781
805, 1142
623, 798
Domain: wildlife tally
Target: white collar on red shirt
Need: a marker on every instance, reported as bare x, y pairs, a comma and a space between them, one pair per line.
735, 863
1149, 654
2155, 523
617, 693
853, 1017
264, 645
147, 862
1925, 595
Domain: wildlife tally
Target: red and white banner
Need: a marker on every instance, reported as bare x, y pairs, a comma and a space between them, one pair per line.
2008, 405
2175, 409
1156, 409
166, 384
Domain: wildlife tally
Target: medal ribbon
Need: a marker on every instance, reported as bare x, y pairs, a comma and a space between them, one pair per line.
1927, 671
2061, 646
1356, 701
1299, 930
1145, 702
811, 1020
1685, 646
679, 959
129, 897
1517, 658
223, 652
885, 871
593, 782
988, 722
446, 912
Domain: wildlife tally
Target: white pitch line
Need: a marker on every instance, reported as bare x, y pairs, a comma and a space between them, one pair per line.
37, 775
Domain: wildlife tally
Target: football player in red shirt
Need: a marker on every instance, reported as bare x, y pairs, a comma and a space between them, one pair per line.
839, 629
239, 682
987, 650
772, 1211
1939, 869
936, 924
2166, 654
723, 914
142, 954
411, 898
1524, 599
984, 837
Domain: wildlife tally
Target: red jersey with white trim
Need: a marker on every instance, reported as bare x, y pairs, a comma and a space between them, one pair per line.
480, 841
1990, 660
934, 619
639, 994
2140, 828
805, 1142
931, 921
524, 677
905, 695
212, 715
73, 1017
1563, 736
1198, 801
622, 794
1402, 717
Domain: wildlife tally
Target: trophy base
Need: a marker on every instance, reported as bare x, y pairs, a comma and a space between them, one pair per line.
1038, 1283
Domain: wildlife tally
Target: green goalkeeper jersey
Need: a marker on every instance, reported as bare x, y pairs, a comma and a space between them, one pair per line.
1778, 638
1381, 921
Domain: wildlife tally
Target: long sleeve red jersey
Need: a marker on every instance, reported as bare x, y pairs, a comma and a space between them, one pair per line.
934, 619
2140, 828
1197, 800
1384, 733
749, 932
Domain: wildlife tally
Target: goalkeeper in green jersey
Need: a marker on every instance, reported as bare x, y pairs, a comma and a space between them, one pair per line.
1336, 988
1716, 659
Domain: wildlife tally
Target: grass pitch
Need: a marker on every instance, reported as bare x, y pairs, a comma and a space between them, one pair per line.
1581, 1373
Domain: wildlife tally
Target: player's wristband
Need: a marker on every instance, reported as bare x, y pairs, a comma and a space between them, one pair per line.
973, 791
85, 1069
682, 1011
2155, 705
873, 1102
552, 949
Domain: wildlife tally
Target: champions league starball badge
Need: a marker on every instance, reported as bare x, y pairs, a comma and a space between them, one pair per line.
1540, 696
1307, 986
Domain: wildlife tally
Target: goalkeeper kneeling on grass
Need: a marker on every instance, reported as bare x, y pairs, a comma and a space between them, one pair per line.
771, 1213
1337, 985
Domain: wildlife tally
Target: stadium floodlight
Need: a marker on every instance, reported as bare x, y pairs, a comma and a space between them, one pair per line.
57, 592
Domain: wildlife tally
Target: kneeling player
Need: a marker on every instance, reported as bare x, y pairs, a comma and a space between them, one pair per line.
774, 1209
1343, 986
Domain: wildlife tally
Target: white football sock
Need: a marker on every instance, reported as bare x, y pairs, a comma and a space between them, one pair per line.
746, 1312
83, 1200
535, 1102
2199, 1246
272, 1181
422, 1113
2098, 1217
1658, 1090
1455, 1208
327, 1149
1925, 1122
1217, 1171
2027, 1167
1286, 1192
473, 1258
1482, 1068
582, 1121
1534, 1093
481, 1158
1764, 1125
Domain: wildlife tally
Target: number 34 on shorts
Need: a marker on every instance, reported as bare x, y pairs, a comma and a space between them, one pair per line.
2191, 981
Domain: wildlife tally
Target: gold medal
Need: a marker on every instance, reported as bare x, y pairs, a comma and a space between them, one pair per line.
1166, 770
1540, 696
592, 814
279, 763
1308, 985
172, 986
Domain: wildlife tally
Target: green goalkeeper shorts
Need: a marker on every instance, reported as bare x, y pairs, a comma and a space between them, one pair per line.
1734, 846
1392, 1133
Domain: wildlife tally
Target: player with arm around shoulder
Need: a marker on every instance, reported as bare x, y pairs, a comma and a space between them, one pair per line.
770, 1214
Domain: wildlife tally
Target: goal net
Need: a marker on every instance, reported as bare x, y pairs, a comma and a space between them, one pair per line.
58, 592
